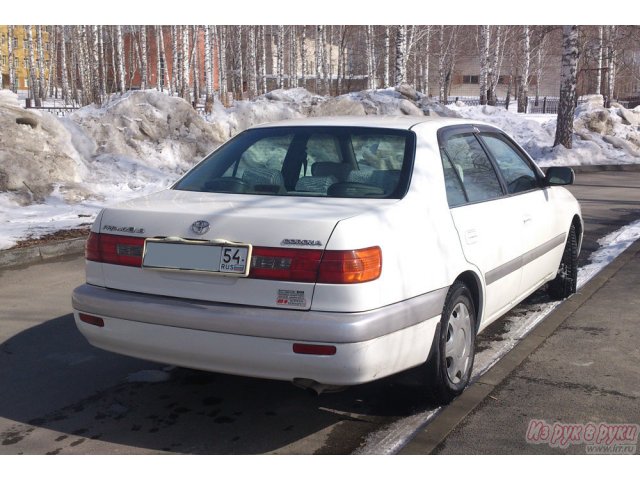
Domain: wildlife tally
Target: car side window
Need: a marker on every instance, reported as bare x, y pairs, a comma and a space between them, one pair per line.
473, 167
516, 171
452, 182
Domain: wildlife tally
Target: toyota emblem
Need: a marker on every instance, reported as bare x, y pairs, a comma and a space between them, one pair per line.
200, 227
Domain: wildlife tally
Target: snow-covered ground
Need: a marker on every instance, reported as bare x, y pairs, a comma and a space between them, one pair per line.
57, 173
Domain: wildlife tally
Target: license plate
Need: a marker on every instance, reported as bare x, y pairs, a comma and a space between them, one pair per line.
222, 259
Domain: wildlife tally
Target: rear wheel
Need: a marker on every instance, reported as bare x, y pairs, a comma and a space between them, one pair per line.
566, 280
449, 368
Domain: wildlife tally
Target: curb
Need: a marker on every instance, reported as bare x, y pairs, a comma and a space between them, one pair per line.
19, 257
431, 436
627, 167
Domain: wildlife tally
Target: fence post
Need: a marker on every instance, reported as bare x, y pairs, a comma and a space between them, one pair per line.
544, 105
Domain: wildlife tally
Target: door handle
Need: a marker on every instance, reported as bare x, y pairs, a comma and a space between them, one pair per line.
526, 218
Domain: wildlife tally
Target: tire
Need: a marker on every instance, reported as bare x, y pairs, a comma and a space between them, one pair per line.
566, 280
449, 367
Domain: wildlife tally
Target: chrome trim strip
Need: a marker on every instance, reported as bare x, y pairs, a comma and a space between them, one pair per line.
512, 265
312, 326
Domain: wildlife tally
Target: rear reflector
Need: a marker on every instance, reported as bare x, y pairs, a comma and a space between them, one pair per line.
92, 320
310, 349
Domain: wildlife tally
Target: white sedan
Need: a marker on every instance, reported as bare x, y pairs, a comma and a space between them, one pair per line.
331, 252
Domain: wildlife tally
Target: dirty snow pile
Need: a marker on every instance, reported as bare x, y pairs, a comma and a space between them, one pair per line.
601, 135
57, 173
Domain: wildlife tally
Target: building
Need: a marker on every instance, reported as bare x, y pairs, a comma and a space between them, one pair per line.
21, 54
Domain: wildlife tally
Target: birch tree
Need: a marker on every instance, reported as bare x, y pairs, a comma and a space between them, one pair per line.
51, 79
485, 38
447, 45
611, 63
95, 67
495, 65
222, 60
263, 62
120, 61
144, 55
175, 62
568, 81
32, 64
195, 63
40, 63
208, 66
385, 59
401, 51
280, 55
303, 56
251, 62
185, 81
10, 56
600, 55
523, 87
101, 62
63, 64
323, 59
318, 56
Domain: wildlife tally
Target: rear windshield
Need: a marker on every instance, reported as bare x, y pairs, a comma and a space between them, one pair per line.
308, 161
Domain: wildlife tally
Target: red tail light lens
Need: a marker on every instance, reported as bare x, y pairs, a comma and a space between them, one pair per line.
286, 264
115, 249
350, 266
91, 319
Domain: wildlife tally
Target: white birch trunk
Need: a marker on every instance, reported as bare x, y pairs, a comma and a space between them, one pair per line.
185, 82
195, 62
494, 68
144, 55
50, 79
222, 62
323, 56
32, 64
303, 56
568, 81
40, 62
611, 64
427, 59
95, 67
318, 56
599, 71
239, 66
263, 62
159, 79
400, 73
330, 59
252, 83
120, 60
485, 34
10, 56
524, 71
208, 69
368, 39
385, 59
294, 55
280, 56
101, 62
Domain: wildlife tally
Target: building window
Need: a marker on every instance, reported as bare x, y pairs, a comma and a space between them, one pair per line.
3, 60
15, 42
470, 79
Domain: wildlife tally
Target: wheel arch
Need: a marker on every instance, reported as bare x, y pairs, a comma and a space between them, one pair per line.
473, 283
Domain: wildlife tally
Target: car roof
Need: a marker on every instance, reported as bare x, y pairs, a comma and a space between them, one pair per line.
402, 122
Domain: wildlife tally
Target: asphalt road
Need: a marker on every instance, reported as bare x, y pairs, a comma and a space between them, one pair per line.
60, 395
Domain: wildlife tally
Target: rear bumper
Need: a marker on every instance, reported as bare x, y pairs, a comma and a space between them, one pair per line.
258, 342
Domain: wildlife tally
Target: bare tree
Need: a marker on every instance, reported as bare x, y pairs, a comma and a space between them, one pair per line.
95, 67
318, 56
611, 63
280, 55
401, 54
63, 63
568, 81
386, 81
323, 58
600, 58
251, 62
263, 62
523, 88
293, 55
303, 56
185, 81
495, 64
32, 63
483, 47
144, 55
208, 66
222, 59
120, 64
12, 70
40, 64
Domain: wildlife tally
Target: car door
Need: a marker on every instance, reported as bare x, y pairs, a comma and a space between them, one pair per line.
542, 235
488, 222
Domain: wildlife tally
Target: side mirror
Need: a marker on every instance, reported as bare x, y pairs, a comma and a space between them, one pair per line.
560, 176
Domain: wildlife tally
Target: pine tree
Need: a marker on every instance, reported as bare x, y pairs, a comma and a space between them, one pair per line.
568, 81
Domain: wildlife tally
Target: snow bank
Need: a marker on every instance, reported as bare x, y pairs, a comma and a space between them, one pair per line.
56, 173
601, 136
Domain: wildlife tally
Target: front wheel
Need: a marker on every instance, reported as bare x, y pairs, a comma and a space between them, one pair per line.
449, 368
566, 279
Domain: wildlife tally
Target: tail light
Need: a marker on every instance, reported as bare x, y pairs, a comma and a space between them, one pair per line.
115, 249
284, 264
331, 266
